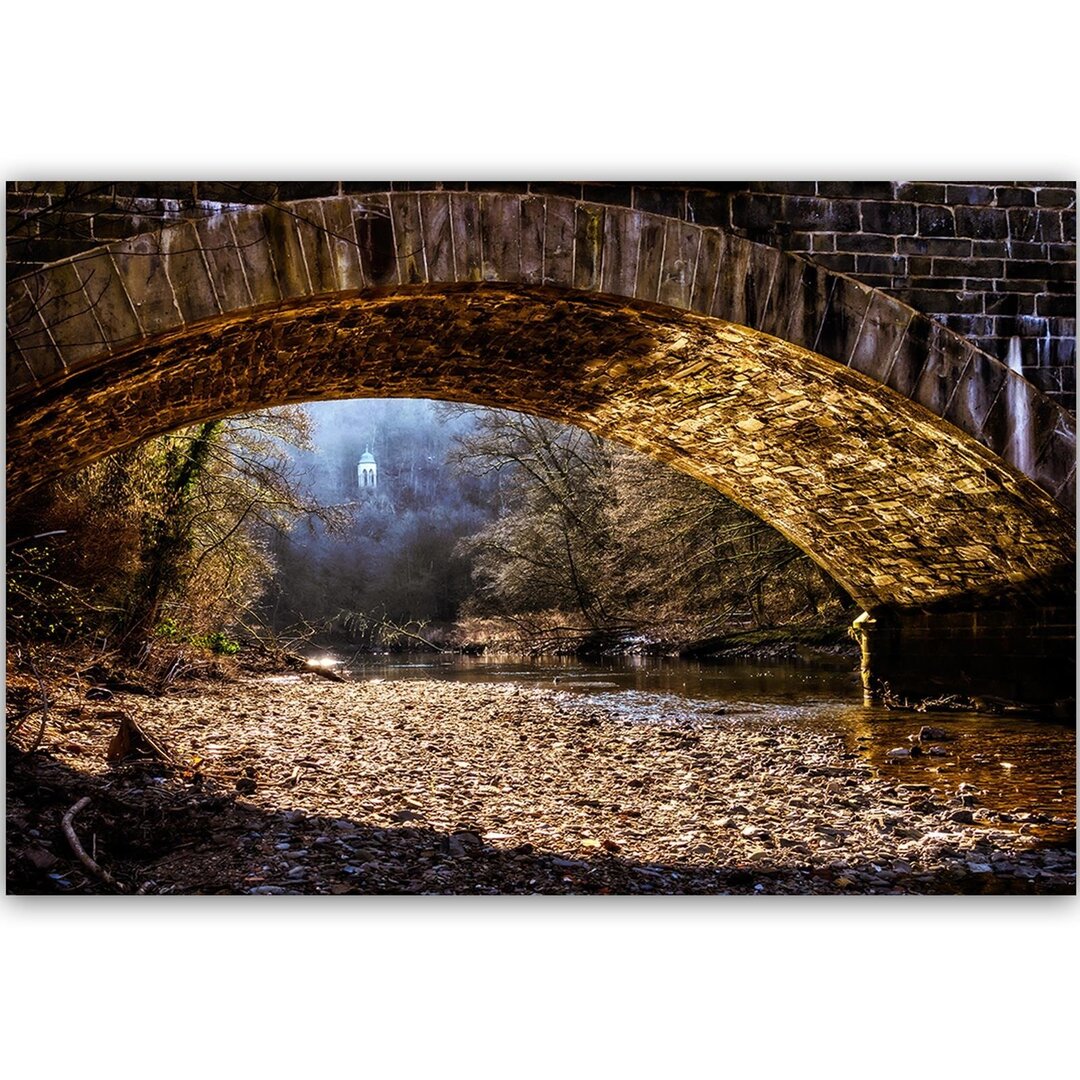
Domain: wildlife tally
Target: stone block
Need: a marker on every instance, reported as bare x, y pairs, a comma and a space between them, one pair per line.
797, 301
894, 266
214, 236
711, 256
408, 238
561, 190
1035, 226
622, 238
839, 330
842, 264
1063, 197
942, 374
936, 221
709, 208
1056, 305
250, 192
250, 239
109, 300
758, 212
969, 194
32, 357
681, 244
435, 211
68, 310
856, 189
509, 187
180, 190
1056, 456
918, 245
373, 225
974, 397
921, 344
919, 191
588, 245
982, 223
286, 251
500, 235
337, 216
888, 217
533, 213
189, 274
783, 187
1014, 196
869, 243
650, 256
743, 281
316, 243
826, 214
1065, 495
881, 332
944, 301
667, 201
559, 226
364, 187
969, 268
608, 194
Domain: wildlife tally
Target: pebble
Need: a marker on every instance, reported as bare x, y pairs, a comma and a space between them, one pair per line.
519, 768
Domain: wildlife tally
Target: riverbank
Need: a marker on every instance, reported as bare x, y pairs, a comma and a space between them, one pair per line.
291, 784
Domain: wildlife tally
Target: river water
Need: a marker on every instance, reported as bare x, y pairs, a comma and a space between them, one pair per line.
1016, 763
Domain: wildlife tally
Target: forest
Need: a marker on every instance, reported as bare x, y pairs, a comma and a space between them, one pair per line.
486, 529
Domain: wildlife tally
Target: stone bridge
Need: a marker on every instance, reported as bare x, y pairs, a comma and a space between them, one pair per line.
928, 478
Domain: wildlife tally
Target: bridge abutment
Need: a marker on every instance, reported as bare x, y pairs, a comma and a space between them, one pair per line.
1023, 655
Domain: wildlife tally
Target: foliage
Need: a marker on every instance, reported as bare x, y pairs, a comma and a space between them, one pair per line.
622, 543
168, 534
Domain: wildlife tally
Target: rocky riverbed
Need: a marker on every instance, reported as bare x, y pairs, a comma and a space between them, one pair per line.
291, 784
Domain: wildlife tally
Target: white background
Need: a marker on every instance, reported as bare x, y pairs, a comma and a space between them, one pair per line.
508, 987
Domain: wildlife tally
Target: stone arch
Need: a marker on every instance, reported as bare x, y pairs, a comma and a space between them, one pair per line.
881, 444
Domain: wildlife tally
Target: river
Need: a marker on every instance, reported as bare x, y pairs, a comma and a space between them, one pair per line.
1017, 763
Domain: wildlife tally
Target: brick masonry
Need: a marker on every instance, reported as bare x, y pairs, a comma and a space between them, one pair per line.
993, 260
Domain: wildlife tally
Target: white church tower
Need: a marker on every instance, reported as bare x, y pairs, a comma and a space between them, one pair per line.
367, 472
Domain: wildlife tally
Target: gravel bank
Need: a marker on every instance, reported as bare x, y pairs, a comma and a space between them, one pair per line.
290, 784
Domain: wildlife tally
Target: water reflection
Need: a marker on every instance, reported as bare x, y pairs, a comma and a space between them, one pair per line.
780, 682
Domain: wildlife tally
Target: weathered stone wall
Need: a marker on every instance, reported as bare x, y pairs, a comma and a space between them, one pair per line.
994, 261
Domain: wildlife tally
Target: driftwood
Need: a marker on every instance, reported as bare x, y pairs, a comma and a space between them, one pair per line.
301, 664
77, 848
130, 739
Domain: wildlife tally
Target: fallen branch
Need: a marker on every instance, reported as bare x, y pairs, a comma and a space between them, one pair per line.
306, 665
77, 848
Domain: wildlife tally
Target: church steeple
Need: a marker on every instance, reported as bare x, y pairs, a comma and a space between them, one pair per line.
367, 471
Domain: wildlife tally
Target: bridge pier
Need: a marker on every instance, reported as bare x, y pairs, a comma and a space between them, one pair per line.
1023, 655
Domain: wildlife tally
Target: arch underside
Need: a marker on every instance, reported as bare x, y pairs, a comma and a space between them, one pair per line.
898, 505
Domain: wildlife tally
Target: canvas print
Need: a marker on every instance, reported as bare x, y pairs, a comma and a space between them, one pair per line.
484, 538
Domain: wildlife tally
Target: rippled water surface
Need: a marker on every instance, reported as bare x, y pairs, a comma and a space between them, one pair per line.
1015, 762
